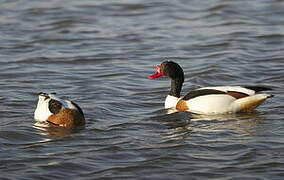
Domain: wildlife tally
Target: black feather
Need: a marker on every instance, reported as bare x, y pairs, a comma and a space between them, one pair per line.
78, 107
258, 88
54, 106
175, 72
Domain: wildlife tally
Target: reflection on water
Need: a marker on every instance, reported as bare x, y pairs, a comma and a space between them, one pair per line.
176, 129
56, 131
243, 123
181, 124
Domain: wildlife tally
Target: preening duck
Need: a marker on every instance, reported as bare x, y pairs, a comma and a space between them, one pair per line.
208, 100
58, 112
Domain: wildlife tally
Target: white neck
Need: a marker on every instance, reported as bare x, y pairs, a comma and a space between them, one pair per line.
171, 102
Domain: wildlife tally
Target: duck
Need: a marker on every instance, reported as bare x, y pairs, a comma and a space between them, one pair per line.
208, 100
53, 111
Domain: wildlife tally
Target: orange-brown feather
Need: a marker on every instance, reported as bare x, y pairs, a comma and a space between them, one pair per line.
181, 105
237, 95
67, 118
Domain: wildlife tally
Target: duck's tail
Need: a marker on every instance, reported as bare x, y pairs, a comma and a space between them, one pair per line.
251, 102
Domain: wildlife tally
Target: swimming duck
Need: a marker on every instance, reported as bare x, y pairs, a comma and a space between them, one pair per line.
58, 112
208, 100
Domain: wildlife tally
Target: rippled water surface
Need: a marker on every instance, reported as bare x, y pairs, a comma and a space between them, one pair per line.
99, 54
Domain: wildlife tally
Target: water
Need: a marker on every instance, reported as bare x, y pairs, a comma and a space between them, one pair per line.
99, 54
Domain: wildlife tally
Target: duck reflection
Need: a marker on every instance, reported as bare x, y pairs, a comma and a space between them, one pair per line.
244, 123
55, 130
178, 122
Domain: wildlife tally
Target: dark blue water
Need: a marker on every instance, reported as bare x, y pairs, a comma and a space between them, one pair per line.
99, 54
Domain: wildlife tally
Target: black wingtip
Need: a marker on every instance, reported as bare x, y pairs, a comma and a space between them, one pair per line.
259, 88
270, 96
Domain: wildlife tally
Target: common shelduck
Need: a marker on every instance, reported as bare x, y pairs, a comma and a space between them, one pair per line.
208, 100
58, 112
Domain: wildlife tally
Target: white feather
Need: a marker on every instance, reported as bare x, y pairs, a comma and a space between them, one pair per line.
222, 103
171, 102
42, 111
211, 104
